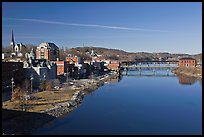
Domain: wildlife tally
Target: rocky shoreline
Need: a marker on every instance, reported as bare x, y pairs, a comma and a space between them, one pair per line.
194, 72
58, 110
66, 107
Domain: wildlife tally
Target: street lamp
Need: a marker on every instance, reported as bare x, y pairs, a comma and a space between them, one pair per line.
73, 74
67, 74
44, 76
12, 83
31, 78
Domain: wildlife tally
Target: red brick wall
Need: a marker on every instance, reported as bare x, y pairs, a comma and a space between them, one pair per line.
47, 54
60, 67
187, 63
37, 53
72, 59
113, 66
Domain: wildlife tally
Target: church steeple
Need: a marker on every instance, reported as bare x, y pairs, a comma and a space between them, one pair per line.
12, 42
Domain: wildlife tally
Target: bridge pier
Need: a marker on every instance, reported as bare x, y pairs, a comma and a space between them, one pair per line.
168, 72
154, 71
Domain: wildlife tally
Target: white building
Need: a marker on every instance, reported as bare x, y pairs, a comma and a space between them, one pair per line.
39, 69
16, 48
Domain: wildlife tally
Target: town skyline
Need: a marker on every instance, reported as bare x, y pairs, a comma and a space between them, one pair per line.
89, 25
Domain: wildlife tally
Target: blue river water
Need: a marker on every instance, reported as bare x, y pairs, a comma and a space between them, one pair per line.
138, 104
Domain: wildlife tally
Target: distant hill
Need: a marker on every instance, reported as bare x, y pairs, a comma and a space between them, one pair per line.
197, 57
121, 55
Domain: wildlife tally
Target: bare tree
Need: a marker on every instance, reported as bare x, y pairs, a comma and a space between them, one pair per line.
62, 54
16, 94
48, 85
19, 96
42, 85
22, 95
26, 85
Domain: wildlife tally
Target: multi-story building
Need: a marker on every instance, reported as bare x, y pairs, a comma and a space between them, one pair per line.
74, 59
48, 51
62, 67
114, 66
11, 70
187, 62
40, 70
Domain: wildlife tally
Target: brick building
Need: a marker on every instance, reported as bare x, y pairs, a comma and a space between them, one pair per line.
48, 51
74, 60
61, 67
114, 66
187, 62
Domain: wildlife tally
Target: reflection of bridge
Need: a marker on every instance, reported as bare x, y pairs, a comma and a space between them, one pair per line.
134, 66
150, 75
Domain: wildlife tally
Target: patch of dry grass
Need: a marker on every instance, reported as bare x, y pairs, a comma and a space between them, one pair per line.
189, 71
44, 100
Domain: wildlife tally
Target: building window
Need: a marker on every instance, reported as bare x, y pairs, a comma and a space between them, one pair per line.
42, 49
54, 52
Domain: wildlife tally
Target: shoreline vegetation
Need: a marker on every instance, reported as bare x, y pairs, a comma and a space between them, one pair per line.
47, 106
191, 71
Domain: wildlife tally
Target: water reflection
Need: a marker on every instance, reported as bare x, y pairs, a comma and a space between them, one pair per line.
162, 72
115, 80
140, 104
200, 80
186, 80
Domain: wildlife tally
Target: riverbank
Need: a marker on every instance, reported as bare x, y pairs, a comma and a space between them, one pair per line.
47, 106
194, 72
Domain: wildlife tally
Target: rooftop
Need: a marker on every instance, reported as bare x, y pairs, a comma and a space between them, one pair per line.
186, 58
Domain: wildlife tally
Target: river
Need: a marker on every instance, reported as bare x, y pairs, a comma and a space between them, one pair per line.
140, 103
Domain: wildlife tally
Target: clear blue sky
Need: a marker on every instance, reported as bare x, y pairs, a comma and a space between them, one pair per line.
135, 27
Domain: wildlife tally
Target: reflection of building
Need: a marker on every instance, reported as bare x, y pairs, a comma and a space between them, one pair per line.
186, 80
48, 51
187, 62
